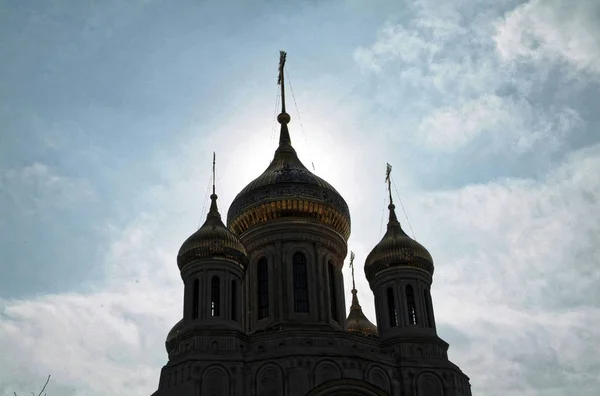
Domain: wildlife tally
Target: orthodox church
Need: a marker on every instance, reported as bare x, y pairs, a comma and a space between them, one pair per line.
264, 306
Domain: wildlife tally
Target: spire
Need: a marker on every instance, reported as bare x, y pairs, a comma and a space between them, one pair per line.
393, 222
213, 175
213, 211
355, 304
352, 268
283, 118
357, 322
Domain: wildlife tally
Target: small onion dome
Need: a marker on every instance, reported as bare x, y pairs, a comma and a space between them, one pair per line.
287, 189
174, 332
177, 331
213, 239
357, 322
396, 249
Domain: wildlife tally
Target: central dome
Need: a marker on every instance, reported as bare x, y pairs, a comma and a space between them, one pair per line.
287, 189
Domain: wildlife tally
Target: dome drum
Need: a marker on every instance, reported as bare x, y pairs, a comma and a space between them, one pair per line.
216, 250
293, 207
296, 230
417, 263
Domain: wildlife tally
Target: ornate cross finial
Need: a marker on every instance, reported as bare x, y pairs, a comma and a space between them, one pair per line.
388, 180
352, 268
213, 211
213, 174
282, 56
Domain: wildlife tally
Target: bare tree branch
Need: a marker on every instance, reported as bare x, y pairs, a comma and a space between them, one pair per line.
42, 391
46, 384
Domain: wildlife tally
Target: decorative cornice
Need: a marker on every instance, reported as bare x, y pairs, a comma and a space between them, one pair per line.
260, 345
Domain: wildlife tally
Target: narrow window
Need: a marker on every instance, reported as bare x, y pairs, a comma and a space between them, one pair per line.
332, 293
300, 283
412, 309
428, 310
263, 288
196, 297
392, 311
215, 296
233, 300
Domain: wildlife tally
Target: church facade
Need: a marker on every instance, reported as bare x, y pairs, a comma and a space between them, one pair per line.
264, 305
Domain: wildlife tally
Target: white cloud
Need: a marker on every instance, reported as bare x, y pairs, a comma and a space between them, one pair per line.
37, 186
105, 341
506, 121
443, 75
517, 272
553, 31
516, 259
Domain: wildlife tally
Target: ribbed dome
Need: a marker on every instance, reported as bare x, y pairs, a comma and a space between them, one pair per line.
357, 322
397, 249
287, 189
213, 239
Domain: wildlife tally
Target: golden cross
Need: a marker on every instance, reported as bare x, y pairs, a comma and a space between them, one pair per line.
388, 180
214, 158
282, 56
352, 268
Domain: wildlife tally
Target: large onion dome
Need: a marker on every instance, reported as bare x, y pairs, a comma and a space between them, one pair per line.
396, 249
287, 189
213, 239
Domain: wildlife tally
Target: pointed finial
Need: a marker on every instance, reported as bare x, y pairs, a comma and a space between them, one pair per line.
213, 211
282, 56
391, 206
388, 180
213, 175
352, 268
283, 118
355, 304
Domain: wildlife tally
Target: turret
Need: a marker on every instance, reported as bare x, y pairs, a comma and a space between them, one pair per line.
399, 271
212, 262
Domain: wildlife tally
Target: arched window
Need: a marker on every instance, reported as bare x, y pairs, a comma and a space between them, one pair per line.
300, 283
428, 310
392, 311
233, 300
332, 291
412, 309
196, 298
262, 270
215, 296
429, 385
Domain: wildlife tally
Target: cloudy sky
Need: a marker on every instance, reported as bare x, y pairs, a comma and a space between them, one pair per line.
487, 110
